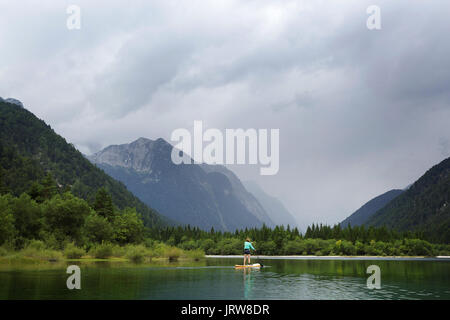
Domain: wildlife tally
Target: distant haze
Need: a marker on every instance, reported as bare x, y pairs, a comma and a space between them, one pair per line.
360, 112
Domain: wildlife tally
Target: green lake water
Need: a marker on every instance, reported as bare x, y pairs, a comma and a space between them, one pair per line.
215, 278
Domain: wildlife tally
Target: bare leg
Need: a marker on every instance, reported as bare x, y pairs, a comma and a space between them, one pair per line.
245, 256
249, 259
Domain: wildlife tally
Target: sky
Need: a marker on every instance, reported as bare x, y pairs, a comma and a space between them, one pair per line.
359, 111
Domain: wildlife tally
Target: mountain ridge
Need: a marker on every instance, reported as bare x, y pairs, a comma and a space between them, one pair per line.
423, 207
274, 207
363, 214
190, 193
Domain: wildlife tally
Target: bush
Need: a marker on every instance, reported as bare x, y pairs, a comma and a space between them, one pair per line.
50, 241
137, 253
209, 246
230, 246
189, 245
7, 221
418, 247
311, 246
326, 246
172, 253
98, 229
158, 250
3, 252
102, 251
360, 248
196, 254
52, 255
73, 252
267, 248
118, 251
150, 243
128, 227
348, 248
36, 251
294, 247
36, 245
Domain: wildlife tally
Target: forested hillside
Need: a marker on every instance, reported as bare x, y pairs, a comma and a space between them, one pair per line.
30, 149
360, 216
424, 207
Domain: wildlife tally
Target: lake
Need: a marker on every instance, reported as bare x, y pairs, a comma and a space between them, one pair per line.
215, 278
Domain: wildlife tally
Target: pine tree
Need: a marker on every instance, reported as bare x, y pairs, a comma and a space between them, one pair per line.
3, 188
48, 187
103, 204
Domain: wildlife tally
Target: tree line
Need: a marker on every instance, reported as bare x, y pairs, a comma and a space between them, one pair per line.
57, 217
53, 215
317, 240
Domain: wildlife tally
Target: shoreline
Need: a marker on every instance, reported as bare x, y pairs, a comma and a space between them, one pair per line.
311, 257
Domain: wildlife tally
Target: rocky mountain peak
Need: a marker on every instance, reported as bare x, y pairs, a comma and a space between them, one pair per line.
13, 101
138, 155
199, 195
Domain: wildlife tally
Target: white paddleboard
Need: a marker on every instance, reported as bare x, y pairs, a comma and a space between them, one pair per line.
255, 265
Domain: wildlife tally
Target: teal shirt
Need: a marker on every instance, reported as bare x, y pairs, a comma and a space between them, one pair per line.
248, 245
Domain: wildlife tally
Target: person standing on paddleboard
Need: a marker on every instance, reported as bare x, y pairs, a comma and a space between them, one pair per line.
247, 246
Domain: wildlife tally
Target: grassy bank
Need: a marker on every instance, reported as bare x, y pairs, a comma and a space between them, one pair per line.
38, 252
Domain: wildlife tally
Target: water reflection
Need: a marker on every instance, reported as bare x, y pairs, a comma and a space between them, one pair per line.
217, 279
248, 282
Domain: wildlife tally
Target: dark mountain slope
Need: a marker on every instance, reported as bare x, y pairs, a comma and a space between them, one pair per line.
424, 207
186, 193
274, 207
245, 197
363, 214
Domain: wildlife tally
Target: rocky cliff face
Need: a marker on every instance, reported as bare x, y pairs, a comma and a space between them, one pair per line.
199, 195
137, 155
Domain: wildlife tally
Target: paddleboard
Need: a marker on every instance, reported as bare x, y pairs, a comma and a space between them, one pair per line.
255, 265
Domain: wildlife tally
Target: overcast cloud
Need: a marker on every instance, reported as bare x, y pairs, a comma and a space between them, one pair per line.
360, 112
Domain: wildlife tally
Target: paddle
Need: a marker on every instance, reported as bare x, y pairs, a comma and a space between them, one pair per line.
257, 258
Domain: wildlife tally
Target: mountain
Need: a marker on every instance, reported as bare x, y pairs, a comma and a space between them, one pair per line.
245, 197
423, 207
274, 207
363, 214
189, 193
29, 149
13, 101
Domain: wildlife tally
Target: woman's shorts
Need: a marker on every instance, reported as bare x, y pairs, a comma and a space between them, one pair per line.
246, 251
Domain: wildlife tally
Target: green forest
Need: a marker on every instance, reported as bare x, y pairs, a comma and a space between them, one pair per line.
47, 217
30, 149
424, 206
57, 216
318, 240
48, 223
